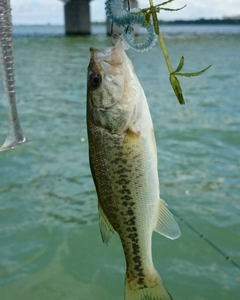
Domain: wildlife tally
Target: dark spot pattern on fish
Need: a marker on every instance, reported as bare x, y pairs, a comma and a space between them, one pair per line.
136, 250
125, 191
132, 220
122, 170
126, 197
130, 212
120, 198
123, 181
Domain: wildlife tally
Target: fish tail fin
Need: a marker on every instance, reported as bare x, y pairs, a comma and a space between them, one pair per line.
150, 287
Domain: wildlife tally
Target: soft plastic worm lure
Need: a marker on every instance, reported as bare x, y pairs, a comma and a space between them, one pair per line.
128, 36
119, 16
116, 13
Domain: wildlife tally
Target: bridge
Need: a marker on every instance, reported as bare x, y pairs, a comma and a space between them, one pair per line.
77, 16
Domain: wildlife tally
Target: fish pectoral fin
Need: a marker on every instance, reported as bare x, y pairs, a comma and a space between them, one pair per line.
166, 225
106, 228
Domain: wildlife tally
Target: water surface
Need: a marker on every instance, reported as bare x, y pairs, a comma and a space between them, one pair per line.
50, 245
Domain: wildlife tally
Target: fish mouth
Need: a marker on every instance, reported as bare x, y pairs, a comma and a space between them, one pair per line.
101, 53
112, 56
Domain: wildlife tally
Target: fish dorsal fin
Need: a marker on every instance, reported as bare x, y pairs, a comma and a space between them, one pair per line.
106, 228
166, 225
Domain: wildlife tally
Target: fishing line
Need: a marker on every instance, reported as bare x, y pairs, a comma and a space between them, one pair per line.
128, 4
228, 258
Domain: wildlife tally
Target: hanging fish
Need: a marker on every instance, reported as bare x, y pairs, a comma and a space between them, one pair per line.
123, 161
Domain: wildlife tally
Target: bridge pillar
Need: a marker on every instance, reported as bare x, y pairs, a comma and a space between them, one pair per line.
77, 17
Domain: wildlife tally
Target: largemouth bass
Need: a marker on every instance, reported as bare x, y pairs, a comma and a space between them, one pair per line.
123, 161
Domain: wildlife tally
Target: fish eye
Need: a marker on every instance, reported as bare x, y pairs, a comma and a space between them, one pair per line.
95, 79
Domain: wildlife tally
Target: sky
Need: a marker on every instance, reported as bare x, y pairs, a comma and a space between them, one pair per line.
51, 11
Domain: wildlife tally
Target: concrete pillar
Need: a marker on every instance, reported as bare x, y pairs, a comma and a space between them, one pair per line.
133, 4
77, 17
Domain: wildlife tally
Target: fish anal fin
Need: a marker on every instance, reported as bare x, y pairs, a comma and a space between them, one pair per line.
106, 228
166, 225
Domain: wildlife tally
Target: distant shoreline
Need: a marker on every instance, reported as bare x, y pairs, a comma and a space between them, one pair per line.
201, 21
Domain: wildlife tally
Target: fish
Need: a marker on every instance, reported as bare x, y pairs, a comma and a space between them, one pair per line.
124, 166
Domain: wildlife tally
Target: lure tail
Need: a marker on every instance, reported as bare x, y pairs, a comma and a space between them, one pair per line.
148, 288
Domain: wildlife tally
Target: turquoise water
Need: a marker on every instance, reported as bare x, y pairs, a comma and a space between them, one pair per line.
50, 245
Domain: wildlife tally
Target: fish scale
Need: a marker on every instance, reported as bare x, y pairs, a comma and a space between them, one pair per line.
122, 196
123, 161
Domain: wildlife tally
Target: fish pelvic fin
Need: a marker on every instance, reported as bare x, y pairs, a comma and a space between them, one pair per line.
166, 225
106, 228
150, 287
